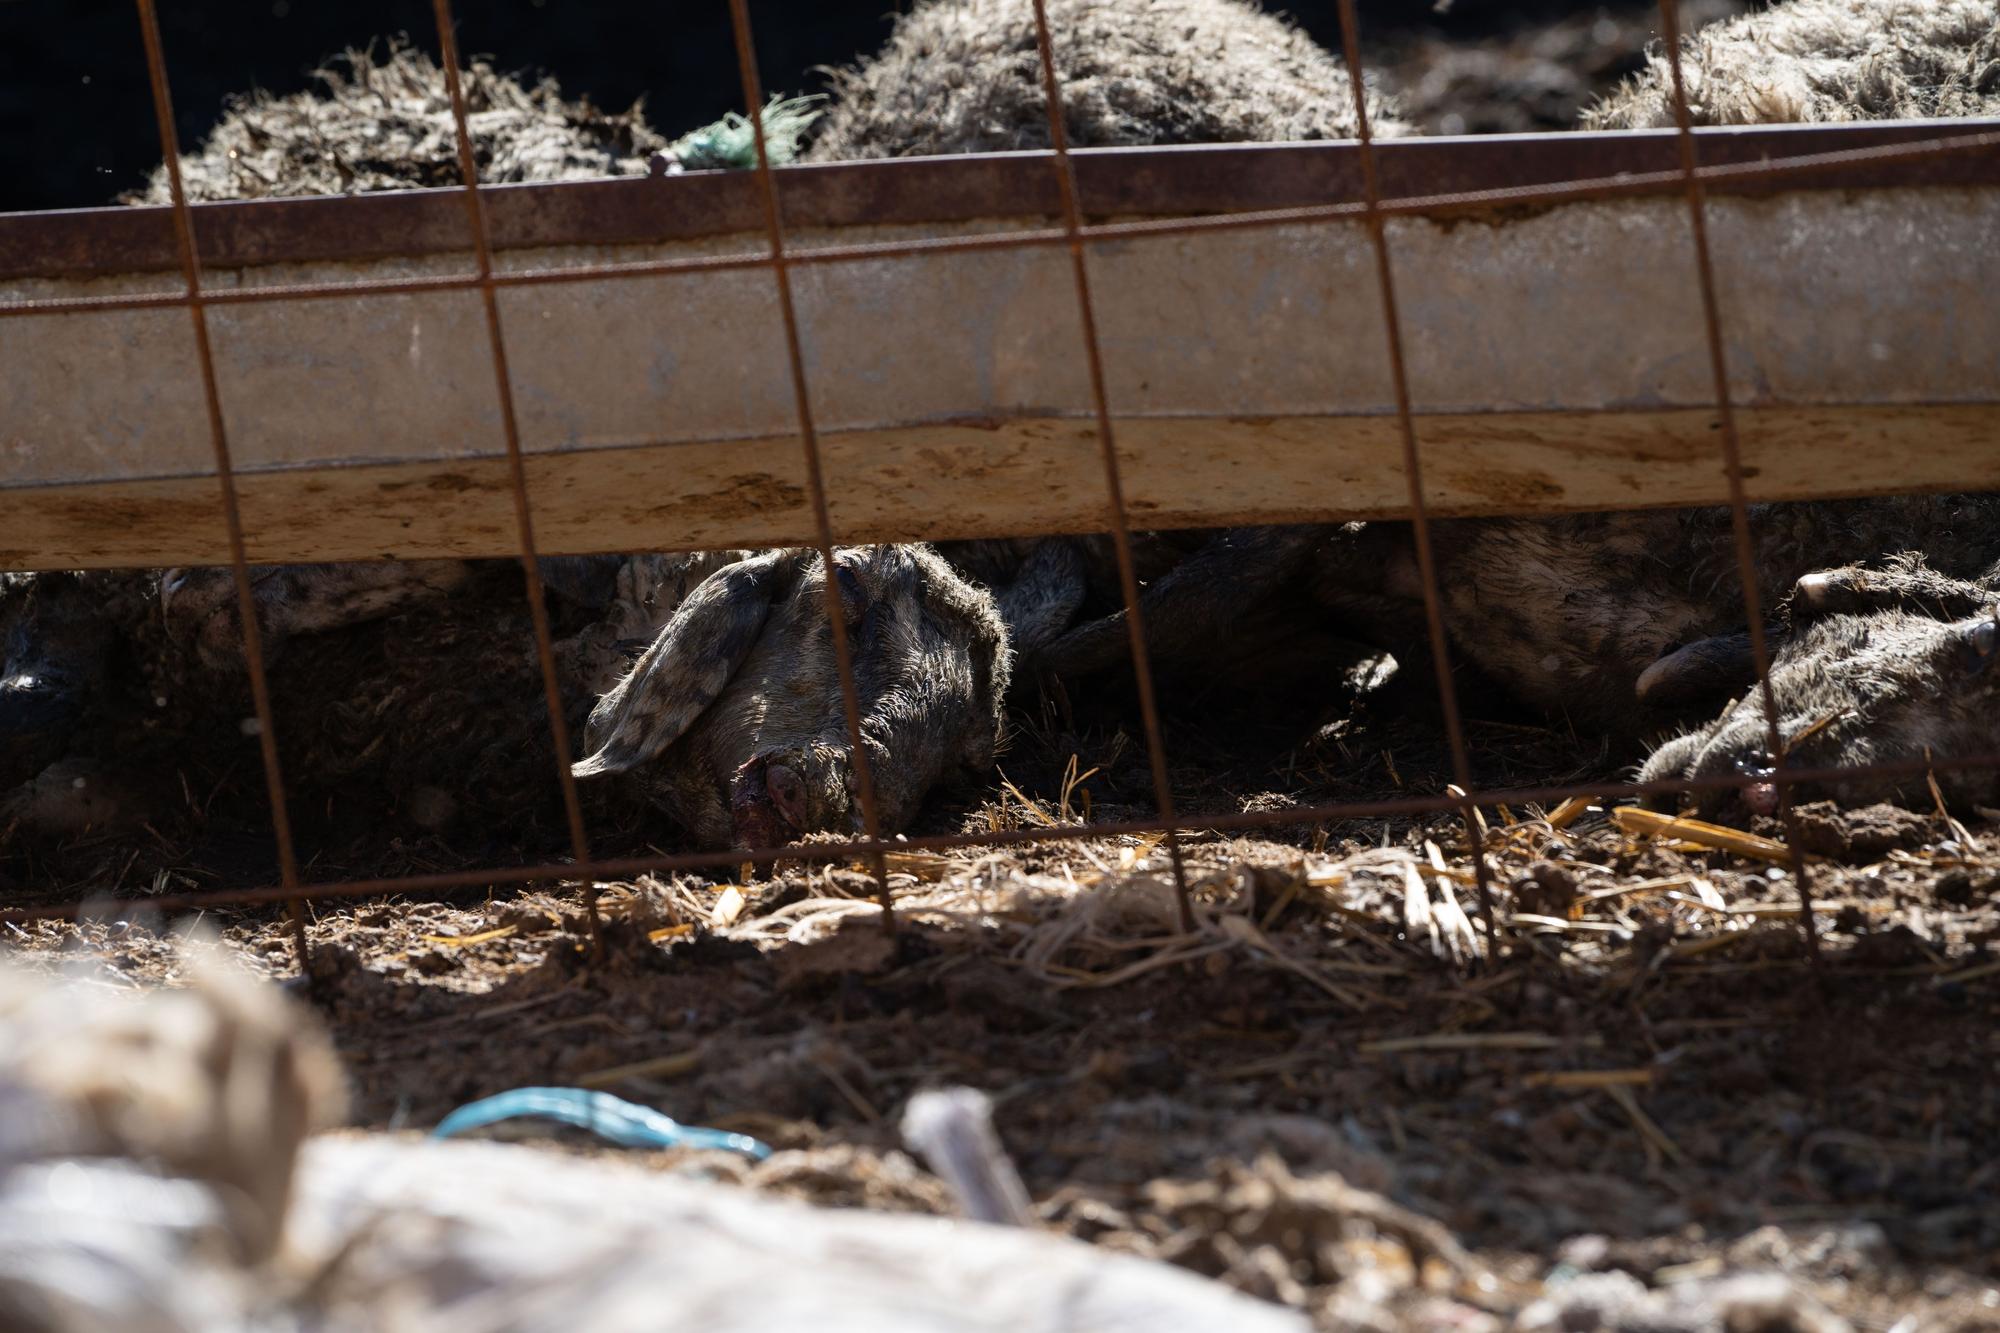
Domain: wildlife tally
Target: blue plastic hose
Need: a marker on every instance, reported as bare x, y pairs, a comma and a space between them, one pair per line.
625, 1123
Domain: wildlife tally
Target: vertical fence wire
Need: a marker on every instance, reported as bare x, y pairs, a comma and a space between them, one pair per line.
225, 475
843, 656
517, 475
1378, 235
1121, 528
1732, 466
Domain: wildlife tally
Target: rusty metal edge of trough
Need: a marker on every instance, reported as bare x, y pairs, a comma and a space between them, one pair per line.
1168, 181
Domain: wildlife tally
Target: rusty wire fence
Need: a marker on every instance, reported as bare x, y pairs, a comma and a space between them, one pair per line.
1465, 797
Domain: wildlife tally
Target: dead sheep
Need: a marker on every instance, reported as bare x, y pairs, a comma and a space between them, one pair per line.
87, 680
735, 717
1582, 615
1621, 622
1824, 62
1174, 71
430, 713
1630, 625
964, 76
1889, 686
735, 714
1887, 660
1627, 625
446, 698
1170, 72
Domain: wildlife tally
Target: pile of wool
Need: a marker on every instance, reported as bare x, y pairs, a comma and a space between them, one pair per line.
964, 76
1824, 61
382, 121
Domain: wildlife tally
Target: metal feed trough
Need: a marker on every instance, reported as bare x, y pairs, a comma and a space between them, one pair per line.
1551, 323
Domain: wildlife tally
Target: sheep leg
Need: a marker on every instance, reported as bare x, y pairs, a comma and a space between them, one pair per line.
1907, 584
1705, 670
1202, 600
202, 613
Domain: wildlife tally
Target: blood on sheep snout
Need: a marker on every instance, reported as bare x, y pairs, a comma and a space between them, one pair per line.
733, 719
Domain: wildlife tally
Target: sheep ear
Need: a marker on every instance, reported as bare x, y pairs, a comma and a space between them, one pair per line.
684, 671
1704, 669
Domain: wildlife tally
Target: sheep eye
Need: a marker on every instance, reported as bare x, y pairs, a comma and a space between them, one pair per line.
1977, 646
853, 600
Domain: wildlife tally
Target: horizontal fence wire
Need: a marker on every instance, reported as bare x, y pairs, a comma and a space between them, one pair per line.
1077, 236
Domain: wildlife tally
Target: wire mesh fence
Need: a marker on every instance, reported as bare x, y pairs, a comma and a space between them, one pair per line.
1075, 238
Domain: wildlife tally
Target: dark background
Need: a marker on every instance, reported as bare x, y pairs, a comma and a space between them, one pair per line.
76, 120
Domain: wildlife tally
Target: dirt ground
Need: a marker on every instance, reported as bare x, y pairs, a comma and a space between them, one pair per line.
1327, 1092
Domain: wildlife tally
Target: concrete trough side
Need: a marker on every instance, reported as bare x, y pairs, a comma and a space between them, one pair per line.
1555, 356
